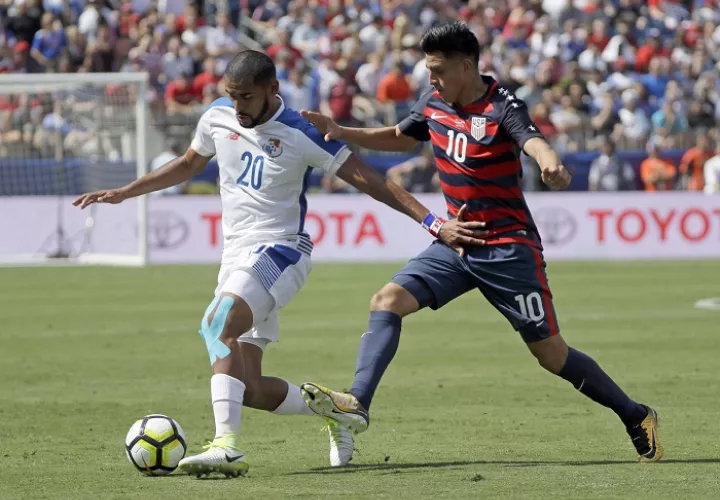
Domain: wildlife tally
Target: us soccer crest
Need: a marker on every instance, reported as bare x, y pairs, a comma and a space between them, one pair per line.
273, 147
478, 127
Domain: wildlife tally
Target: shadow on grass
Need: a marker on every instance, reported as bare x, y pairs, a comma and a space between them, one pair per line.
352, 468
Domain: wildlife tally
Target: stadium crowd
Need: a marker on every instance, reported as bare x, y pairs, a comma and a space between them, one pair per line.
607, 76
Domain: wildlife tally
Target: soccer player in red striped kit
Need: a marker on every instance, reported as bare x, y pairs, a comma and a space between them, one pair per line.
478, 130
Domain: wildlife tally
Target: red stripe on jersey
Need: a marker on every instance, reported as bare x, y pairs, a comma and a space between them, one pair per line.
483, 172
512, 239
475, 192
491, 214
439, 140
476, 151
481, 108
546, 297
486, 172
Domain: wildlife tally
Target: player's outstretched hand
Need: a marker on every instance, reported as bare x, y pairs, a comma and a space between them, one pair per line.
556, 177
113, 196
458, 233
324, 124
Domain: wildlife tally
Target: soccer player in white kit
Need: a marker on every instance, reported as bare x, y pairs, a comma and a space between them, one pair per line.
265, 153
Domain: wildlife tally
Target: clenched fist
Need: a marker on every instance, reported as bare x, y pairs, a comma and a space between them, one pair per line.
556, 177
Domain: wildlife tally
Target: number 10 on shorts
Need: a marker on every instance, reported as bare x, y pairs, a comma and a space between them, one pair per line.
531, 306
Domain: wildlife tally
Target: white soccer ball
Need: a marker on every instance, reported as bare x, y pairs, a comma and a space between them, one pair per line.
155, 444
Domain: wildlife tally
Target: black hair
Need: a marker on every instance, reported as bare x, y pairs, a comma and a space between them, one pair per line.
451, 40
251, 64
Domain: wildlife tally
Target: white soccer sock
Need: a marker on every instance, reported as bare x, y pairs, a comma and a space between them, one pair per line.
293, 403
227, 398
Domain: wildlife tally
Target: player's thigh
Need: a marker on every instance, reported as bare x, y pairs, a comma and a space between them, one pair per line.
435, 277
512, 277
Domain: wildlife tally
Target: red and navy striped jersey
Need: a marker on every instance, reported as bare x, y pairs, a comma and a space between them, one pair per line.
477, 152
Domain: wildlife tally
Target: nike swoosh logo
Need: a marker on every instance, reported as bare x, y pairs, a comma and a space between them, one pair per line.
436, 116
234, 459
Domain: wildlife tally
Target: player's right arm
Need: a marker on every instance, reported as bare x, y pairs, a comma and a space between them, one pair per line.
402, 137
174, 172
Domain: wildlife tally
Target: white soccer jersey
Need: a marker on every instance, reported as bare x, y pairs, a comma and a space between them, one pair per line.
264, 172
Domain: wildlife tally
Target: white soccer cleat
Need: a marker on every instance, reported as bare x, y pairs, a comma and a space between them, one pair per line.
342, 444
220, 456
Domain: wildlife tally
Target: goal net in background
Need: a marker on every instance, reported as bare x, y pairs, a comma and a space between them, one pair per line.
62, 135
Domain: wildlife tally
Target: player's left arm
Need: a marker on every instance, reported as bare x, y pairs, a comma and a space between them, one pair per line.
455, 233
335, 158
517, 123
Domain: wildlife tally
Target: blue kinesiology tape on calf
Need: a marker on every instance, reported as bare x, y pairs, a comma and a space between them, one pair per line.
210, 331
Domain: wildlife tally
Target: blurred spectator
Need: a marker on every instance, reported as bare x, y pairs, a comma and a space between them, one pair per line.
222, 41
368, 75
48, 45
177, 60
26, 21
691, 176
211, 77
75, 48
306, 36
374, 35
658, 174
172, 151
192, 31
179, 96
648, 51
296, 92
418, 174
634, 124
284, 48
394, 91
100, 53
668, 125
608, 172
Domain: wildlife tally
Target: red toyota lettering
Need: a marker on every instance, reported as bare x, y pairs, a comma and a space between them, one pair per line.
369, 229
684, 225
340, 217
600, 215
663, 224
318, 236
214, 220
621, 229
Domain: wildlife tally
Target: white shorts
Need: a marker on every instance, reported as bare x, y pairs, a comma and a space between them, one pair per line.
266, 276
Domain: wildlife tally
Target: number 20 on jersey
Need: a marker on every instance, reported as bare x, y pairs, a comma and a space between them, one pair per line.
252, 175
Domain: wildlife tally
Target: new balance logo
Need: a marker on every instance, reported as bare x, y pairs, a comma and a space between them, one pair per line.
233, 136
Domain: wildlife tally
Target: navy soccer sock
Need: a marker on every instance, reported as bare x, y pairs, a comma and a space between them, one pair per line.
587, 377
377, 348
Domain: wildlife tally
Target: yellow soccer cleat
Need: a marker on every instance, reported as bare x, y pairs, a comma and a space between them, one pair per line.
646, 439
220, 456
342, 407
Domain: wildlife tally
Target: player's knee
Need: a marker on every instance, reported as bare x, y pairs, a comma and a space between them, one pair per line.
550, 353
394, 298
238, 320
226, 318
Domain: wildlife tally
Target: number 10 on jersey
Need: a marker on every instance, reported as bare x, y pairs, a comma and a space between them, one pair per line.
457, 146
254, 167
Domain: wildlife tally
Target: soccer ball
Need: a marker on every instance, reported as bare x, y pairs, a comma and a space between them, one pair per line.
155, 444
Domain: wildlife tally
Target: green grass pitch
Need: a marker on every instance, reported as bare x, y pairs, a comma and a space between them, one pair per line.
463, 412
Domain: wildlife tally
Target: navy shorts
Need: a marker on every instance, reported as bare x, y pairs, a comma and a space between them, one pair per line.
511, 276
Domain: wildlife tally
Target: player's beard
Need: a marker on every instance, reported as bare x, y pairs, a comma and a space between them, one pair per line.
254, 122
